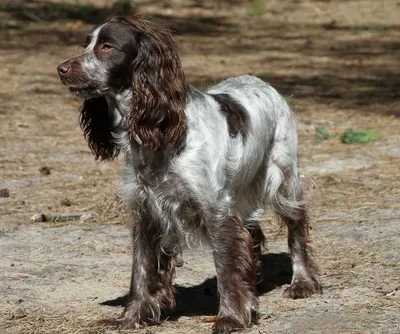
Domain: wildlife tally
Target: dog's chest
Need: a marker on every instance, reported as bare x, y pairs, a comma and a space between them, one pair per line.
170, 203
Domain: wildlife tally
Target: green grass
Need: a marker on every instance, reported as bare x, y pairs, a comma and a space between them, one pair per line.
322, 132
359, 136
350, 136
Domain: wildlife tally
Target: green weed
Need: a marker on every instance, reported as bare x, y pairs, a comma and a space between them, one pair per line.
324, 133
350, 136
359, 136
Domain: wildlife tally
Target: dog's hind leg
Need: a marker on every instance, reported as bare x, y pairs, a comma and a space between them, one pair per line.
252, 224
285, 195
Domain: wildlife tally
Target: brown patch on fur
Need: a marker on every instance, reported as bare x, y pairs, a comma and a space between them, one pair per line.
258, 241
151, 288
236, 115
225, 325
236, 274
159, 88
304, 284
96, 123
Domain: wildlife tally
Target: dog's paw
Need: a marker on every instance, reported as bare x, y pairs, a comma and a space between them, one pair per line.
225, 325
302, 289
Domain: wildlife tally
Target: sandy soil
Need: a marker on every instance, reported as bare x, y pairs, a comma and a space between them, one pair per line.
337, 62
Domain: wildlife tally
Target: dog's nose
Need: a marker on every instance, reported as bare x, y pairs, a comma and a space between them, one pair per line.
63, 69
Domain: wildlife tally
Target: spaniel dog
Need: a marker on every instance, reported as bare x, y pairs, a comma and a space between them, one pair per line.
198, 164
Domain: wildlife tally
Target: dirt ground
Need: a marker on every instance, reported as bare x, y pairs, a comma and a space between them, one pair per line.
337, 62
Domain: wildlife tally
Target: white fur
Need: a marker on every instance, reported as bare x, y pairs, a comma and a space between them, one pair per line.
91, 65
256, 165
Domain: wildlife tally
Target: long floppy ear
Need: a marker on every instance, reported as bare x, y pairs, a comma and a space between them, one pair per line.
97, 124
157, 119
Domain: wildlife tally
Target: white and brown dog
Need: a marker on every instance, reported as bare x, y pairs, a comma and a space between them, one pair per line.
198, 163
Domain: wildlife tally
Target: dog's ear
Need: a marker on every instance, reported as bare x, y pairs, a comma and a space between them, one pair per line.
157, 119
97, 125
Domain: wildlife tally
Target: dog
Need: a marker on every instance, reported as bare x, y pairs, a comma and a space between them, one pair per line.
199, 164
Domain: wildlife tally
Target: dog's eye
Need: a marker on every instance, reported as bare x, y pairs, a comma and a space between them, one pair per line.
106, 47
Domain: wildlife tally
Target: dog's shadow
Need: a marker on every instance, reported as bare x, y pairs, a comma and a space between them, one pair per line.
202, 299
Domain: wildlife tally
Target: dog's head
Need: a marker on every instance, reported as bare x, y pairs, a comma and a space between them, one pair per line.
104, 66
132, 53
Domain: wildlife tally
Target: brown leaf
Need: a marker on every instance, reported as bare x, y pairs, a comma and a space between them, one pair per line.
19, 313
210, 319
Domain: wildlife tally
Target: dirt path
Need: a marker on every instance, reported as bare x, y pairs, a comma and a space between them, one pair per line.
337, 62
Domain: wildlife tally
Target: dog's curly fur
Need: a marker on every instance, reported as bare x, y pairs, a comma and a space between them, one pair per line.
197, 163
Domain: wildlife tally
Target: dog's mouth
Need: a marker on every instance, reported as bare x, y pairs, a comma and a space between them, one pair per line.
79, 86
84, 92
83, 87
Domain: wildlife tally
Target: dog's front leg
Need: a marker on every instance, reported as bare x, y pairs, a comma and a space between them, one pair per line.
151, 287
236, 273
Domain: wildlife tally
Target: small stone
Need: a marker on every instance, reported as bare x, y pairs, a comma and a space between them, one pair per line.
4, 192
85, 217
45, 170
65, 202
38, 218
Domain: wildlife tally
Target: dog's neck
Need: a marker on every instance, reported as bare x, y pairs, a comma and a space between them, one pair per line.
119, 106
